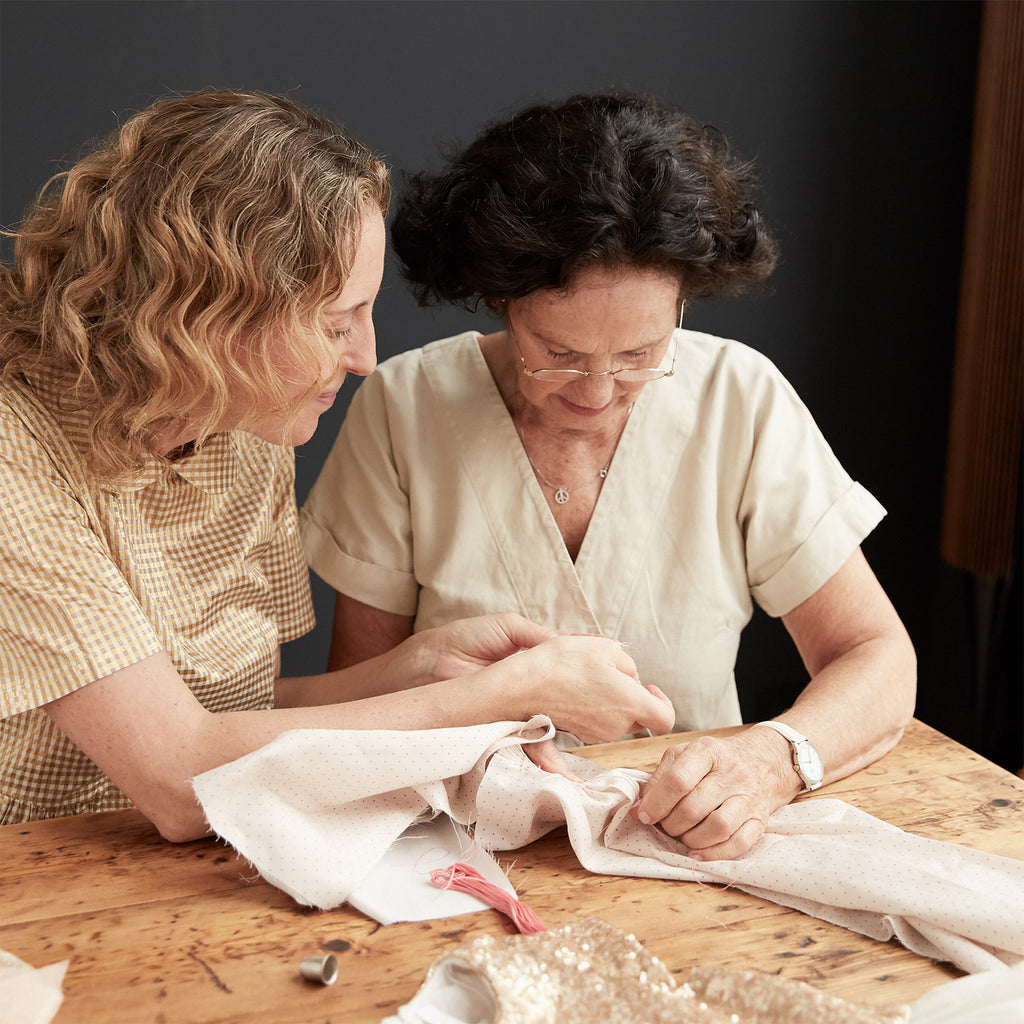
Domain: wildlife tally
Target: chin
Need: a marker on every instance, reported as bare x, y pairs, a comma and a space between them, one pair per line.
302, 432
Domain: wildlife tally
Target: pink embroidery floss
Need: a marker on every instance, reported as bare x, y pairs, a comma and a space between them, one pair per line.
463, 878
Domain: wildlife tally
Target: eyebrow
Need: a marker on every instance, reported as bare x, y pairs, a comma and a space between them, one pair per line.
544, 340
348, 310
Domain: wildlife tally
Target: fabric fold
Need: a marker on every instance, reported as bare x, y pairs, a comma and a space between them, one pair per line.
315, 810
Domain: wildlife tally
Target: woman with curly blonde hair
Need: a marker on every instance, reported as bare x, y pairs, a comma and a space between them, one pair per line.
184, 304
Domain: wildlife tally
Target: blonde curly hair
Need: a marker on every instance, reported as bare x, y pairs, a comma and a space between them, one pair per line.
152, 277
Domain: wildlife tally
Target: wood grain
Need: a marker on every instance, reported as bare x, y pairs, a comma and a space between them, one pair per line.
167, 934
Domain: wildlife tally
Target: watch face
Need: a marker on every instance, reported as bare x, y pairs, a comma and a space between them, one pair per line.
811, 767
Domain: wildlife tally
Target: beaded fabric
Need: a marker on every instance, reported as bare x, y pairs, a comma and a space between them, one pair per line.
590, 971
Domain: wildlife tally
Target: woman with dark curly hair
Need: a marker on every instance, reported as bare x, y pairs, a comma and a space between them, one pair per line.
596, 467
185, 303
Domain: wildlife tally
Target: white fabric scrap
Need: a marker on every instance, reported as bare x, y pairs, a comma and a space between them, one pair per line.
995, 997
398, 887
30, 995
315, 810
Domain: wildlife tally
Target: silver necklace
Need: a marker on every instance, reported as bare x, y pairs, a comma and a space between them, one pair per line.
563, 493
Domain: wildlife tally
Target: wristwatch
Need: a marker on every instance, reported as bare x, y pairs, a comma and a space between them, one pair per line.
806, 759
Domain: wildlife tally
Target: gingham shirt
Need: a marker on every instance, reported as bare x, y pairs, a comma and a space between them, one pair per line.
200, 560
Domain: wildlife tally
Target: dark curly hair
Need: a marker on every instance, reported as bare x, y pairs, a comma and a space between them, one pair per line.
595, 180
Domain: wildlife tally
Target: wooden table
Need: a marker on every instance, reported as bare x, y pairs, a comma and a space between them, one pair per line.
188, 935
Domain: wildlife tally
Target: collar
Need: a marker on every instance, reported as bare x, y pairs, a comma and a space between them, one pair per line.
211, 468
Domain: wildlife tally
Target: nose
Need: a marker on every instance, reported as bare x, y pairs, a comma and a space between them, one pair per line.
360, 357
595, 391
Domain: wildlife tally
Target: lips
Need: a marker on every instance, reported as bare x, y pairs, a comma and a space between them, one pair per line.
584, 410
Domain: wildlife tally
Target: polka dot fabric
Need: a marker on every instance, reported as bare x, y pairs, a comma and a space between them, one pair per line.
314, 811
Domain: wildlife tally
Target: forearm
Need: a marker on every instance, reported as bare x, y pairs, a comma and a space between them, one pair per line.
862, 667
856, 707
150, 735
402, 668
450, 703
147, 731
717, 794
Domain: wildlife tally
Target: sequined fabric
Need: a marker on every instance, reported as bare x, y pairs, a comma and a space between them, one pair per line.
590, 972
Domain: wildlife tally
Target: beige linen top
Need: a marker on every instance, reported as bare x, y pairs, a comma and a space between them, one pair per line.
200, 559
722, 491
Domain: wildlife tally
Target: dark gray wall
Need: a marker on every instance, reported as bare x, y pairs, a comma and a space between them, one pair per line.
858, 114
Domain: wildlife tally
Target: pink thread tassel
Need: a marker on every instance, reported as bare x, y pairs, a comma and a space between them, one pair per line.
463, 878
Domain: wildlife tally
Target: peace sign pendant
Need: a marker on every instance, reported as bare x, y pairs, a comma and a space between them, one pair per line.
561, 495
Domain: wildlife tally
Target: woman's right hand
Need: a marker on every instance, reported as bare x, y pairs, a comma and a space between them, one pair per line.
586, 685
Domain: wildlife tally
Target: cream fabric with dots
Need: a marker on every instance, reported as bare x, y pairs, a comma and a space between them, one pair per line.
315, 810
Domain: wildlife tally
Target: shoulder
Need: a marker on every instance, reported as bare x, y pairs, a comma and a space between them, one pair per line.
425, 374
34, 439
445, 355
723, 355
720, 369
727, 394
23, 411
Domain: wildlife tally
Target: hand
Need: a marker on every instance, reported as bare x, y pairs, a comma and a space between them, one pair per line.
465, 645
716, 794
587, 685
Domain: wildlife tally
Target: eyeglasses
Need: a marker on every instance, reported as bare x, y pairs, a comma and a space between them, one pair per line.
627, 375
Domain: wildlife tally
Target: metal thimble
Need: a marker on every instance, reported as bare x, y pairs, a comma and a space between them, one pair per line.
321, 969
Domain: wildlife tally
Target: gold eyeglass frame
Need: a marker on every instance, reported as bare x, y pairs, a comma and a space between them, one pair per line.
545, 373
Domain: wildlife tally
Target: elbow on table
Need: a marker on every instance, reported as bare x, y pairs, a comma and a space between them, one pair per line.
176, 814
902, 690
906, 684
183, 832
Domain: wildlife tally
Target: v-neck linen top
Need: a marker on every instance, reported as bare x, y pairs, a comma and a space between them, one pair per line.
200, 559
722, 491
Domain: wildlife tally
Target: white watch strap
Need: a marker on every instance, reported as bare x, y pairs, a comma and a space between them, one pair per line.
798, 742
785, 730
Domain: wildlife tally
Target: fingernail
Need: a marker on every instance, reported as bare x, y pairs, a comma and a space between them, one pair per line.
644, 818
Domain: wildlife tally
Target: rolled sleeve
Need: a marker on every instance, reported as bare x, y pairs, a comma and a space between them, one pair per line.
391, 590
356, 525
800, 514
834, 538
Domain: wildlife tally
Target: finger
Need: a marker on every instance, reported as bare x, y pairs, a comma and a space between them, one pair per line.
681, 769
718, 823
547, 756
735, 846
612, 654
613, 651
670, 709
657, 711
522, 633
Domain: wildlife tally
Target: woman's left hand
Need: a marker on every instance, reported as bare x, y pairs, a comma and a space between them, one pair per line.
717, 793
465, 645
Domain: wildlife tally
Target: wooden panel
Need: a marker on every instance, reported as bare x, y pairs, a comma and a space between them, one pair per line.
987, 414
